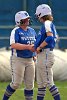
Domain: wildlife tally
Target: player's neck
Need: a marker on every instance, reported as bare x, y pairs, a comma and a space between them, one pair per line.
24, 27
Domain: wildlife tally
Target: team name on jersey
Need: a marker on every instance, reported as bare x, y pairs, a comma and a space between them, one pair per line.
28, 38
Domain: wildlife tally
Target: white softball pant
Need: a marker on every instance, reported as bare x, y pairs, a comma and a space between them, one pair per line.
44, 68
23, 69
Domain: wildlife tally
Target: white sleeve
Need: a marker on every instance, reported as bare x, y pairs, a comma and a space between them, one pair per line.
48, 26
12, 37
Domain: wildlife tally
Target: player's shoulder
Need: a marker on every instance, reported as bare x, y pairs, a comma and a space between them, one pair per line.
30, 28
14, 30
48, 22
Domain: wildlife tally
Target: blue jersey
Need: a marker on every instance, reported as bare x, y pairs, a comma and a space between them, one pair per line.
47, 27
18, 35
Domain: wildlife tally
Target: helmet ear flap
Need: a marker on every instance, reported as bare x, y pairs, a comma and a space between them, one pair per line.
21, 22
39, 14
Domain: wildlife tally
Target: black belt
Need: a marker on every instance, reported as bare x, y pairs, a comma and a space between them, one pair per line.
41, 50
51, 49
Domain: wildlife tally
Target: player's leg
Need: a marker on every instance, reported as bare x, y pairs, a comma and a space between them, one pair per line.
9, 91
17, 76
55, 93
52, 88
29, 79
41, 86
41, 93
41, 76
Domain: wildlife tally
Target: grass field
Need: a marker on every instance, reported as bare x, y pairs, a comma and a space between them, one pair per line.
18, 95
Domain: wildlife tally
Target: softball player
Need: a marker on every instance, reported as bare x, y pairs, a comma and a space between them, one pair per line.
22, 64
44, 45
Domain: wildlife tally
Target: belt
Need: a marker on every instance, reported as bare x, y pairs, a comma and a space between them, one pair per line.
51, 49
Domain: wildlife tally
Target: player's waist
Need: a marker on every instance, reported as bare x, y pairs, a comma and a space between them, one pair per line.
46, 49
14, 57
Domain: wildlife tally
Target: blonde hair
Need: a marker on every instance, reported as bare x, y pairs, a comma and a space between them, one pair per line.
47, 17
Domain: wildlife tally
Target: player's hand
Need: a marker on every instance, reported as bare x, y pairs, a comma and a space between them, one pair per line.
38, 50
31, 48
35, 58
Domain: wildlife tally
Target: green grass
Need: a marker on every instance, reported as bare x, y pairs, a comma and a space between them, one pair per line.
18, 95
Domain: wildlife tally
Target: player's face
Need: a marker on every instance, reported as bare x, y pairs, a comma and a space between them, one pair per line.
51, 18
41, 20
26, 21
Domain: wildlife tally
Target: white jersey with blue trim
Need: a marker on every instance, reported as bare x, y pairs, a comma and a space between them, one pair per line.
47, 27
18, 35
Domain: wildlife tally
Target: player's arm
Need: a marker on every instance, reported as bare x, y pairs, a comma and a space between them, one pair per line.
49, 35
14, 38
19, 46
46, 41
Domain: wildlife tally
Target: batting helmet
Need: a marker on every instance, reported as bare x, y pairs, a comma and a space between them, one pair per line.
21, 15
43, 10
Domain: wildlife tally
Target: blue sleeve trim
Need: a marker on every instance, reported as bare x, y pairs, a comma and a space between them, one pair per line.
48, 39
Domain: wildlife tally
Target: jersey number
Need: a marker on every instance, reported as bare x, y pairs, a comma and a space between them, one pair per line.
30, 42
